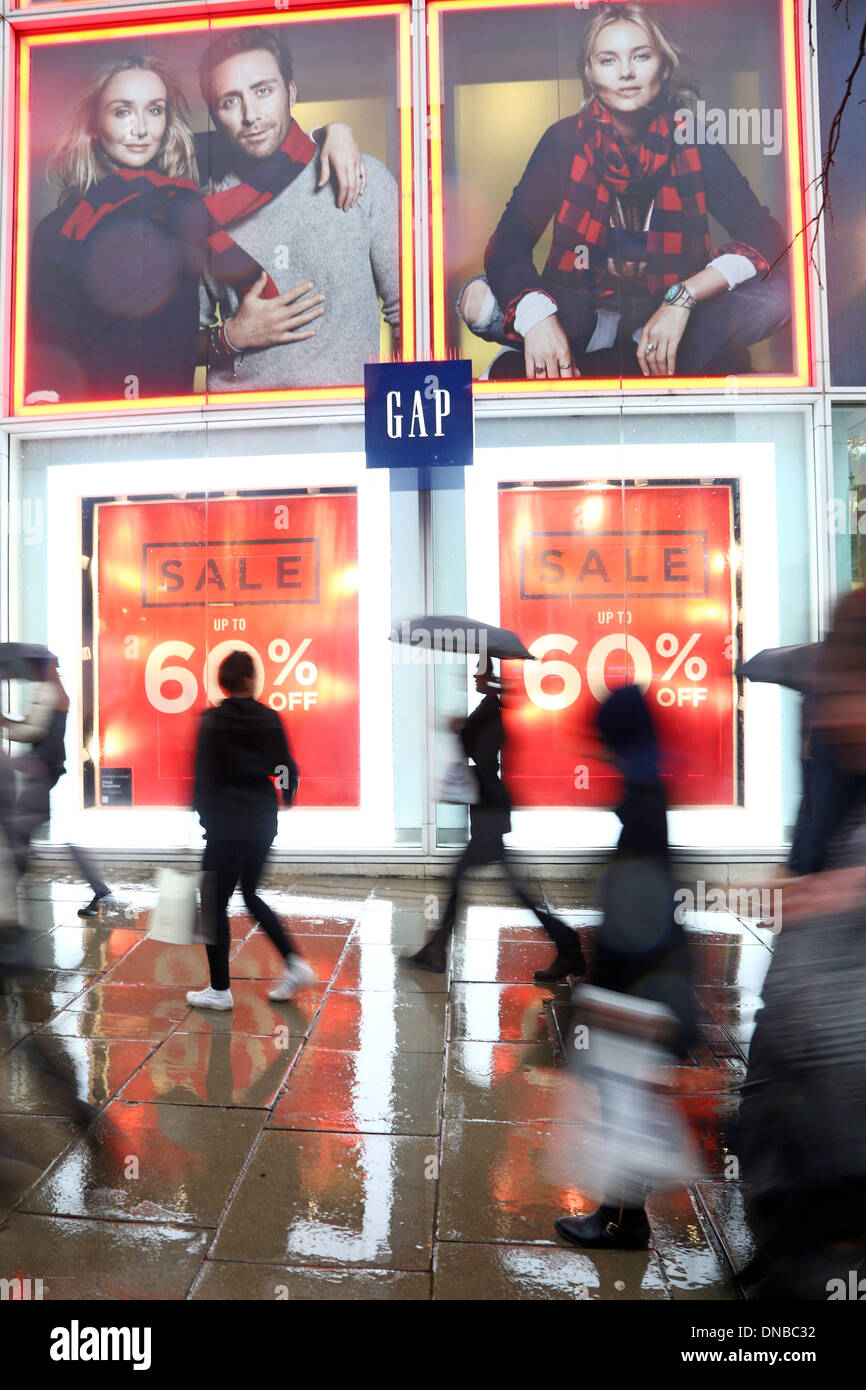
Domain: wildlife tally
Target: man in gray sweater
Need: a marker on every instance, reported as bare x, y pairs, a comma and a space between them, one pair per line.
331, 265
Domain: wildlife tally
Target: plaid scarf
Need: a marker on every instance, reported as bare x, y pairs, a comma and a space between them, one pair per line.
659, 170
195, 221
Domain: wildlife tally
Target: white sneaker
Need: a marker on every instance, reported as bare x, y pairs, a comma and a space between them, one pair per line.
210, 998
298, 974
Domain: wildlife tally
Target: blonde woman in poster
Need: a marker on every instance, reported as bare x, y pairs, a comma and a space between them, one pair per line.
116, 268
631, 283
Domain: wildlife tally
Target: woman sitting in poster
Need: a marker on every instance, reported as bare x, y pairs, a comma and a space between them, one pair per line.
631, 277
115, 271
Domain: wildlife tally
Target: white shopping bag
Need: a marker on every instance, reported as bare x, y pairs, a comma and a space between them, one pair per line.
641, 1138
176, 916
459, 785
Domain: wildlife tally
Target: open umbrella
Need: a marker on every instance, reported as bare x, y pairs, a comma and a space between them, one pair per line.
460, 636
793, 667
23, 660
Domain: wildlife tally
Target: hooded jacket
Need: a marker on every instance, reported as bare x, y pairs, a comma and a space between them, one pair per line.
242, 746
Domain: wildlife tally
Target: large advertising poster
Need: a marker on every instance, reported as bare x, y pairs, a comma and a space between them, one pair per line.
616, 194
840, 43
212, 209
612, 584
177, 585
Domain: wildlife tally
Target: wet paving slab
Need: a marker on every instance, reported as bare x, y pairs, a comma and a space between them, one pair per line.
255, 1014
154, 1163
387, 1134
530, 1272
222, 1069
499, 1012
232, 1279
258, 959
90, 1260
334, 1199
94, 1069
371, 1091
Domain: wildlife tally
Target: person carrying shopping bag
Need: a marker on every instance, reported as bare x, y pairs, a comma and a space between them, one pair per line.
242, 747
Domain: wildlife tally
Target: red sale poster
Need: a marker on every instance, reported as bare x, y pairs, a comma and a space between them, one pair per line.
179, 585
610, 584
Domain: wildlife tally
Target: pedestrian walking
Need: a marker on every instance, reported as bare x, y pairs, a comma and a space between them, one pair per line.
482, 736
800, 1135
43, 726
641, 955
242, 747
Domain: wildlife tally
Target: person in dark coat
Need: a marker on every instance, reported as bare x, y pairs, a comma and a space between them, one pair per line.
44, 728
482, 736
800, 1134
641, 949
242, 747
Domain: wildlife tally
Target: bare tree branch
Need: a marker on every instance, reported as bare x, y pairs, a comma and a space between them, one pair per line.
822, 180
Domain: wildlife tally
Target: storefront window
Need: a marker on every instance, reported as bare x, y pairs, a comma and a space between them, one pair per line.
846, 516
661, 557
142, 572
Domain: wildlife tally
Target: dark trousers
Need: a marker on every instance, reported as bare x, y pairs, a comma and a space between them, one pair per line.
486, 828
715, 343
224, 862
23, 814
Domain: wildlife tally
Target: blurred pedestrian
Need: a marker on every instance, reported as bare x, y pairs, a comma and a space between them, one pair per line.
482, 736
242, 748
800, 1134
46, 1069
641, 955
43, 726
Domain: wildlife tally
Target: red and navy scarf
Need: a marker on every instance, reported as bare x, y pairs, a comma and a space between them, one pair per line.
659, 169
197, 220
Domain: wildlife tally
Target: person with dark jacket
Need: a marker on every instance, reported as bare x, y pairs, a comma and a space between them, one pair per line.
242, 747
44, 728
482, 736
641, 949
800, 1135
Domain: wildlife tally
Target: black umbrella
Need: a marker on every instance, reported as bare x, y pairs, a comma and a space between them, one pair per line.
23, 660
461, 637
793, 667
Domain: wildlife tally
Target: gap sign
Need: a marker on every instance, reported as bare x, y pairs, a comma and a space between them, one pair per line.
418, 414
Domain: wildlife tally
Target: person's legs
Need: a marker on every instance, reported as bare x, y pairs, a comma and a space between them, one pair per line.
432, 955
253, 854
720, 331
32, 806
89, 870
221, 868
569, 955
591, 330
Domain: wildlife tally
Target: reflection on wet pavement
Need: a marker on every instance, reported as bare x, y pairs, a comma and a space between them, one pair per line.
388, 1134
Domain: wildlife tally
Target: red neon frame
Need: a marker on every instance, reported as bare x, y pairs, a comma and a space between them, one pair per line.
30, 40
801, 376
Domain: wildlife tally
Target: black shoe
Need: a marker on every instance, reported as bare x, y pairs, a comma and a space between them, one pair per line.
607, 1228
572, 964
432, 957
92, 908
